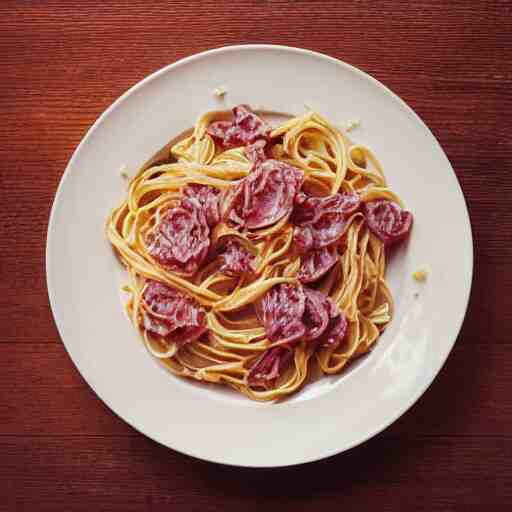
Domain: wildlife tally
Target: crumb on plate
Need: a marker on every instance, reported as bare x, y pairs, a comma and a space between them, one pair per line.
420, 275
353, 123
358, 157
124, 172
220, 92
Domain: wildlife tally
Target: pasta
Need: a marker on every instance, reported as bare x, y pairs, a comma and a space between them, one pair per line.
255, 298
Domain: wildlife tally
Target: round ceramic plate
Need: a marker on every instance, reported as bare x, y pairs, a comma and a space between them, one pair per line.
207, 421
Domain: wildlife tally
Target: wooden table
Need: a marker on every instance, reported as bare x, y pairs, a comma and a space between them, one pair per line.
61, 449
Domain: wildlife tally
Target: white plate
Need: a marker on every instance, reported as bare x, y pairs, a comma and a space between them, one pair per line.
205, 421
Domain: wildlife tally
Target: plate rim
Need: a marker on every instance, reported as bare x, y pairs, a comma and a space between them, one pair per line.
168, 68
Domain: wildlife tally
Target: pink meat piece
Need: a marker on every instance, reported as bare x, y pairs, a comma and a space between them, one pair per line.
208, 197
388, 221
324, 321
255, 152
180, 241
292, 314
268, 367
321, 221
312, 209
265, 196
316, 263
282, 310
316, 314
336, 329
236, 260
245, 128
171, 314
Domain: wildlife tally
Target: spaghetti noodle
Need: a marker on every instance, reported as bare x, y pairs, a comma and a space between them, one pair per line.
254, 253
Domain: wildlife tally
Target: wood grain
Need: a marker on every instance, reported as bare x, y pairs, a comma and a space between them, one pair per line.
419, 473
61, 64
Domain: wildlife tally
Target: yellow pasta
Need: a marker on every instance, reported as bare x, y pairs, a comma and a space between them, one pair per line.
235, 338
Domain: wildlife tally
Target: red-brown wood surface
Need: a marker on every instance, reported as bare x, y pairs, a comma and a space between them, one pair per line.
61, 65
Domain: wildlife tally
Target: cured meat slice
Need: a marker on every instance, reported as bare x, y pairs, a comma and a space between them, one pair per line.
256, 152
316, 263
265, 196
321, 221
245, 128
237, 260
312, 209
336, 329
293, 313
209, 199
316, 314
171, 314
324, 321
180, 241
268, 367
387, 220
282, 310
